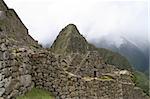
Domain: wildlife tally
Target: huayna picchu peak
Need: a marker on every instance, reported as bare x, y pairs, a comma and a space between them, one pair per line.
71, 69
70, 40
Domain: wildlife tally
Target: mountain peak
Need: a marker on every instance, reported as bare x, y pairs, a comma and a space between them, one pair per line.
71, 26
71, 30
70, 40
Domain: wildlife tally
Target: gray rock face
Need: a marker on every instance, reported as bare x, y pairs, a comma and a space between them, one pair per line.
12, 27
3, 6
2, 90
2, 15
70, 41
25, 80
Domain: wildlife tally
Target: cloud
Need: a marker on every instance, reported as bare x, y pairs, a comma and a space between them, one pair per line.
94, 18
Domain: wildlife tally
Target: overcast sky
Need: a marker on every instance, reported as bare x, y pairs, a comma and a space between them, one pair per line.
94, 18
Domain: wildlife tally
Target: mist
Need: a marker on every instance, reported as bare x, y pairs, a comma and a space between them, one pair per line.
95, 19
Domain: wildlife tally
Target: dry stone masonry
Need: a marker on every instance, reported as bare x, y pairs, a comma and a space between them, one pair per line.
83, 80
79, 73
15, 71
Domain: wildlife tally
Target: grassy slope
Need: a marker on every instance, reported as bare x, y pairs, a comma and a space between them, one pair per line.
114, 58
36, 94
142, 81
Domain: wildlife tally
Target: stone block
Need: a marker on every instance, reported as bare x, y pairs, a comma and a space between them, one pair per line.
2, 90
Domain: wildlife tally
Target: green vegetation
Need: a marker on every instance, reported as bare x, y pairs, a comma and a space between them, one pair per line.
142, 81
114, 58
36, 94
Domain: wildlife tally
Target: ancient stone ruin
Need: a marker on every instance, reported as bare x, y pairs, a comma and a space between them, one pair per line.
70, 69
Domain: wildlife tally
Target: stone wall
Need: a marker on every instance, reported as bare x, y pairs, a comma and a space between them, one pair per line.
52, 74
22, 68
15, 71
13, 27
66, 85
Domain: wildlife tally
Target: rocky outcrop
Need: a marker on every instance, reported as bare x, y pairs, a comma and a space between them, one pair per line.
80, 73
12, 27
70, 40
3, 6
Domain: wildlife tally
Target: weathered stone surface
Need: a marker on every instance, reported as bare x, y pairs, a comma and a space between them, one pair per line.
3, 47
109, 84
25, 80
70, 34
3, 6
1, 55
2, 90
1, 98
2, 64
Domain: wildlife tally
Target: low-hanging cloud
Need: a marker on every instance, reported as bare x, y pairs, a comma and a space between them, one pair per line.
94, 18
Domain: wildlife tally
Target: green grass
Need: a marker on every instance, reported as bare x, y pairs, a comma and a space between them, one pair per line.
142, 81
37, 94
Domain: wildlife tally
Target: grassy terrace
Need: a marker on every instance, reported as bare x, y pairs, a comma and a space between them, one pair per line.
37, 94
